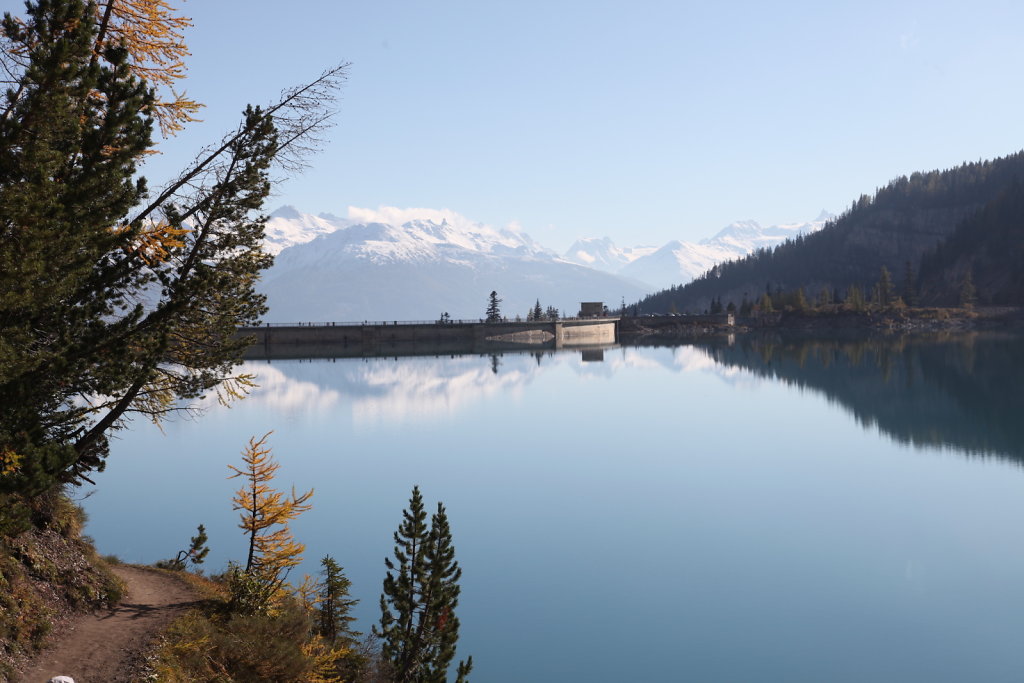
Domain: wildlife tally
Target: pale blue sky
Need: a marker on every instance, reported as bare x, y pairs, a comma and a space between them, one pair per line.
644, 121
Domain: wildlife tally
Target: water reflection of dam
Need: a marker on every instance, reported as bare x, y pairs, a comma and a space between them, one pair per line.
347, 340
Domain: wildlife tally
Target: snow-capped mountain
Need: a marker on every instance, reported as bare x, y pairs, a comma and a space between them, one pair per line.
602, 254
288, 226
678, 262
415, 264
430, 263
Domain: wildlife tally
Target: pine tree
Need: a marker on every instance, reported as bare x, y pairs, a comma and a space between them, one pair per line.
909, 285
884, 288
265, 513
334, 621
195, 553
968, 293
493, 308
444, 574
855, 298
551, 313
538, 312
800, 300
71, 134
79, 352
418, 625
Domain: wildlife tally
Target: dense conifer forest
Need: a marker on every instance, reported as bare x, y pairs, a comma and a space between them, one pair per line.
938, 234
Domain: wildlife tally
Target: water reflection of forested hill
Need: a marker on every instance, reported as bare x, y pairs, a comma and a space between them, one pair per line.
964, 392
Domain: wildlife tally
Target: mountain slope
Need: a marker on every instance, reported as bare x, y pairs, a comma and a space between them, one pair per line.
601, 253
679, 262
288, 226
422, 268
901, 224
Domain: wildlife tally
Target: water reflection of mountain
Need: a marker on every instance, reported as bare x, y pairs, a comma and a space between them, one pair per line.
963, 392
398, 389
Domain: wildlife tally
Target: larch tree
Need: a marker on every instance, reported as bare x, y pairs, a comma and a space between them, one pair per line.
418, 626
264, 516
114, 300
153, 34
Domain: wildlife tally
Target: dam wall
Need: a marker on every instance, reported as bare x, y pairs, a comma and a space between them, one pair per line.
342, 340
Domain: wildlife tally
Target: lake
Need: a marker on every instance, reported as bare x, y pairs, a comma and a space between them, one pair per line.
749, 509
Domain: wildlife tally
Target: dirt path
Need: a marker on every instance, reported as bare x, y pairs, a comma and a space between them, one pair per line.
100, 647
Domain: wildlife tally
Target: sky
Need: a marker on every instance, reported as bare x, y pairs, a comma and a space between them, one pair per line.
641, 121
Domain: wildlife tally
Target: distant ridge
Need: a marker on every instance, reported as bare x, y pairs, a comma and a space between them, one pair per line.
417, 270
928, 230
679, 262
417, 264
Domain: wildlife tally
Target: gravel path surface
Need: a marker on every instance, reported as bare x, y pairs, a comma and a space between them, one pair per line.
105, 646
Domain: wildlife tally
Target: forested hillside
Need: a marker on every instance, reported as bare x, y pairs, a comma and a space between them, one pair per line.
931, 230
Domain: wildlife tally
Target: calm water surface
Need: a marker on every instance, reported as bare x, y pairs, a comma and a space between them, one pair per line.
764, 510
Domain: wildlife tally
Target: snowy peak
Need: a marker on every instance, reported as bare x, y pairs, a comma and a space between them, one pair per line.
679, 262
602, 254
287, 226
388, 234
390, 263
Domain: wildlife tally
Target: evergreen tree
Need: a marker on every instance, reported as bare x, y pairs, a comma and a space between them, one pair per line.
493, 308
884, 288
909, 292
551, 314
72, 131
110, 307
334, 620
968, 293
538, 312
855, 298
800, 300
195, 553
418, 626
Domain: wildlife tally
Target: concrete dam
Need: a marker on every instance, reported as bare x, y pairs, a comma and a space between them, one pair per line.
354, 340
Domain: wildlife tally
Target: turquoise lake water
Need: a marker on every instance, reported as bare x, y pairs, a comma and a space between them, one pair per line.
760, 510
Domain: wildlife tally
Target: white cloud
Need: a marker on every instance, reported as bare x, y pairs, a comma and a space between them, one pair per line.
392, 215
287, 395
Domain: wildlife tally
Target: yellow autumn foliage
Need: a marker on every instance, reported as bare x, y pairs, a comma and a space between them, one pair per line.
153, 33
265, 513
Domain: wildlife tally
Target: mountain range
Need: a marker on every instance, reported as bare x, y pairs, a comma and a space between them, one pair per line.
393, 264
679, 262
